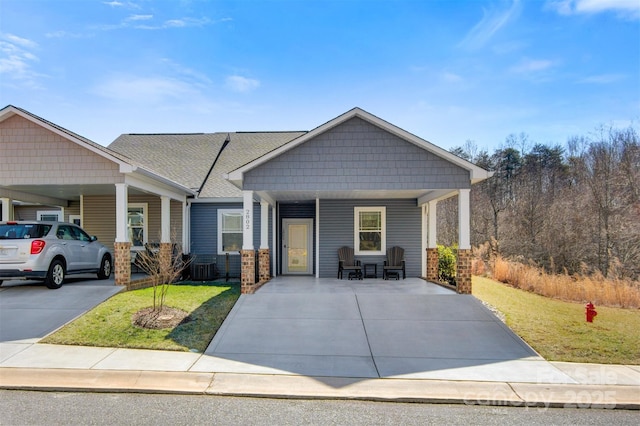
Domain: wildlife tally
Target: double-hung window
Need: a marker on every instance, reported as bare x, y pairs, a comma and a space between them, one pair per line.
370, 233
137, 224
229, 231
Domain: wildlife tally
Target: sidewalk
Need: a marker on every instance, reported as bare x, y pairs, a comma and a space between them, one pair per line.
27, 365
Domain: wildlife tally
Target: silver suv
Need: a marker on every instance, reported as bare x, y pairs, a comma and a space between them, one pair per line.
49, 251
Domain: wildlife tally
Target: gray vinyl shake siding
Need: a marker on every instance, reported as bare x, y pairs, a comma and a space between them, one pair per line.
204, 233
403, 227
356, 155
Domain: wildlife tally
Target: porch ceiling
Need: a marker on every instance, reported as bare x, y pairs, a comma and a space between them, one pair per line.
63, 192
424, 194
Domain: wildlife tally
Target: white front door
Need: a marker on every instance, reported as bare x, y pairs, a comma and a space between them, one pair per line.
297, 246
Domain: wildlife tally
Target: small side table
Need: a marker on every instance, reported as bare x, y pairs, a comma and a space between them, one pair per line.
371, 270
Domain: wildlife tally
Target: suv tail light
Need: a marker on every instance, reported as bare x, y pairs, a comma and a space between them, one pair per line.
37, 246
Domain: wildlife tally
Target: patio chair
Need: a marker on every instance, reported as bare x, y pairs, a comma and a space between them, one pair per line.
347, 262
394, 263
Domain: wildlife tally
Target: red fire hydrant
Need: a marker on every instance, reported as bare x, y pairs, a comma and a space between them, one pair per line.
590, 311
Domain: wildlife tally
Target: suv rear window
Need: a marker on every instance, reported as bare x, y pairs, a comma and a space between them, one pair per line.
19, 231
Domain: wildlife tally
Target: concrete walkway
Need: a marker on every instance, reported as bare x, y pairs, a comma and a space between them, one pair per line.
379, 340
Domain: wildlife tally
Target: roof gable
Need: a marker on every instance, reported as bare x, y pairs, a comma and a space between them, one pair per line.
476, 173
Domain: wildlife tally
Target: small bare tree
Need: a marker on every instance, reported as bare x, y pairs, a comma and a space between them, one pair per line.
164, 268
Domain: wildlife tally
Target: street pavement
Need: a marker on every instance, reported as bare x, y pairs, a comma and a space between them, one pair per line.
401, 340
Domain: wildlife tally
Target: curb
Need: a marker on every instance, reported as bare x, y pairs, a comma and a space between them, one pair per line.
336, 388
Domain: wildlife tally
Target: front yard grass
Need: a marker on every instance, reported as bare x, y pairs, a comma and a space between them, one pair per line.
109, 324
558, 330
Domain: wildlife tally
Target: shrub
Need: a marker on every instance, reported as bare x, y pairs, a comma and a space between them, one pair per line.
447, 263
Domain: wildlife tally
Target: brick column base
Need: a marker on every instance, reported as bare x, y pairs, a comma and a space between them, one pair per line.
463, 273
248, 271
264, 270
122, 263
432, 264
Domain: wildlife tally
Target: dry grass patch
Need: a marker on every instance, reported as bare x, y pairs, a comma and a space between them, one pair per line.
594, 288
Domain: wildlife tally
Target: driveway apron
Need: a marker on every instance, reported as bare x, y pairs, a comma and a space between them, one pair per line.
370, 329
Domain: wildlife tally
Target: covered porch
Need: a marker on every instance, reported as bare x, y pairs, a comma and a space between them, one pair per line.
368, 185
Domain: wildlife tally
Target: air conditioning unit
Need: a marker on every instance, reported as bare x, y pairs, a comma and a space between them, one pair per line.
203, 271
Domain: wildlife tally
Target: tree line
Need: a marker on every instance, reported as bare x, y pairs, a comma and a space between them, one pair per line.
572, 208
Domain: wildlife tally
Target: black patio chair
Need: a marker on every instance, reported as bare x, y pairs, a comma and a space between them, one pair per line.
395, 262
347, 262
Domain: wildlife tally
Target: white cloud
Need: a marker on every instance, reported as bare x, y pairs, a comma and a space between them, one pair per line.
628, 9
527, 66
492, 21
139, 18
602, 79
23, 42
144, 89
241, 84
16, 60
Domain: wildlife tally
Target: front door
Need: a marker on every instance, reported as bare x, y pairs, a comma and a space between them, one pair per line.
297, 246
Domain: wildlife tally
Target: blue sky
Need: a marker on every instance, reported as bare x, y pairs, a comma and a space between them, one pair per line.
447, 71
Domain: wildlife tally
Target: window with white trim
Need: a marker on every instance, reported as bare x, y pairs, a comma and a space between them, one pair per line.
229, 231
370, 230
137, 224
50, 215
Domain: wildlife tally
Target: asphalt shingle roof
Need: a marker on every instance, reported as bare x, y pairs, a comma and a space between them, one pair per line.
186, 158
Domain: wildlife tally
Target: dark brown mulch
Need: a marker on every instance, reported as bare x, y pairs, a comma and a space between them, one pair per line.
168, 317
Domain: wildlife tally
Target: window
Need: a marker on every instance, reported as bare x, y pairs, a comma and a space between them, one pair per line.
229, 231
50, 215
137, 224
370, 230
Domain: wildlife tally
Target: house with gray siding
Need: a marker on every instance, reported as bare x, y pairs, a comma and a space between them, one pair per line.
279, 203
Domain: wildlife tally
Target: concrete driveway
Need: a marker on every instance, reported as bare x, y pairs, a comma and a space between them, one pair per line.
29, 310
369, 329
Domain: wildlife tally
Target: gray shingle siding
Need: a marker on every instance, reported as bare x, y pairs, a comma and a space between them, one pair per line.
403, 229
356, 155
204, 233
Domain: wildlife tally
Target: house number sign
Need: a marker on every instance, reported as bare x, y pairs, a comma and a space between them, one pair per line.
247, 219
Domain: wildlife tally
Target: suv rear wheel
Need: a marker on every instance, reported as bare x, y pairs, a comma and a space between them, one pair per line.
55, 275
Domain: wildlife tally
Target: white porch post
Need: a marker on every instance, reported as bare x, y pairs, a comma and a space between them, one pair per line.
122, 245
424, 223
247, 254
317, 259
432, 241
274, 244
463, 267
186, 227
165, 219
247, 225
464, 219
433, 224
6, 209
121, 213
264, 224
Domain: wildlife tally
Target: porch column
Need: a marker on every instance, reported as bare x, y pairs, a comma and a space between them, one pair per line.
317, 258
165, 233
247, 254
122, 245
263, 255
463, 273
274, 242
6, 209
432, 244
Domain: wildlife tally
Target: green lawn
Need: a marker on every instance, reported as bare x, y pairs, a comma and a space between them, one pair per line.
109, 324
558, 330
